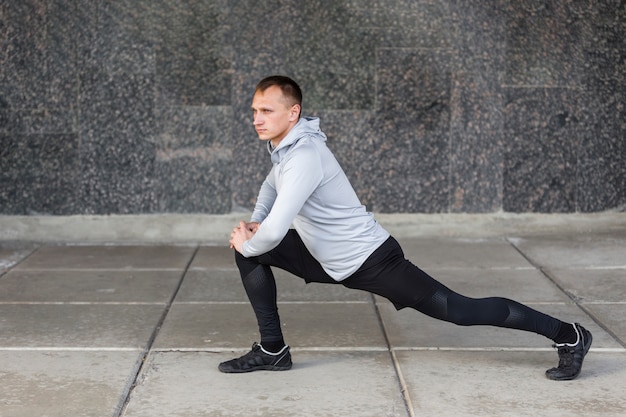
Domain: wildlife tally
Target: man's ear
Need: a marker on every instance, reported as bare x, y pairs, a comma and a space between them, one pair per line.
294, 113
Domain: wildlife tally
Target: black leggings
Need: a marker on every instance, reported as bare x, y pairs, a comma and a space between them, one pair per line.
386, 273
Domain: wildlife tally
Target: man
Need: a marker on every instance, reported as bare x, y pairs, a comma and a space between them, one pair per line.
335, 240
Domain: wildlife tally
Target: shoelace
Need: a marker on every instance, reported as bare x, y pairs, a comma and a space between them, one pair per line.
246, 358
566, 356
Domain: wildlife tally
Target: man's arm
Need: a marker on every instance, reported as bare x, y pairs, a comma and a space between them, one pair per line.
265, 199
300, 176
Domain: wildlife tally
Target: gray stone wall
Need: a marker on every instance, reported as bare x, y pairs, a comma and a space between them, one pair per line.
432, 106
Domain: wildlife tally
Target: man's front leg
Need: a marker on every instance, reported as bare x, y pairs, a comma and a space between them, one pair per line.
272, 354
260, 287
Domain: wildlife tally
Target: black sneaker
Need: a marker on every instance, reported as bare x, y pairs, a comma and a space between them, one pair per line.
258, 359
571, 356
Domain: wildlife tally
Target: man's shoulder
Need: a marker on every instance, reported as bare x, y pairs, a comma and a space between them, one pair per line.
304, 154
306, 144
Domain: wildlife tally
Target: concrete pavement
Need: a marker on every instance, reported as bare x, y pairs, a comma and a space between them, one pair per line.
138, 330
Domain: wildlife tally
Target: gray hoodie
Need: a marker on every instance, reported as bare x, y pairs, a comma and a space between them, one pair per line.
307, 188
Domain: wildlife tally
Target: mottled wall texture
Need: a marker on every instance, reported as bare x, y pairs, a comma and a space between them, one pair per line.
432, 106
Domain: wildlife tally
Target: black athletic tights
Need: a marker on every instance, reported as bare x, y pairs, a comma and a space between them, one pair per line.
387, 273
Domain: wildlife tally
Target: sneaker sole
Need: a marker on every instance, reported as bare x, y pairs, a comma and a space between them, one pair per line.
256, 368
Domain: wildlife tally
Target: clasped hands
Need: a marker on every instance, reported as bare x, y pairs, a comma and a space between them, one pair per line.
241, 233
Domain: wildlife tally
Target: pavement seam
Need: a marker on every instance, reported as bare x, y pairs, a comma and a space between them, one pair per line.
575, 300
602, 326
143, 360
404, 391
12, 266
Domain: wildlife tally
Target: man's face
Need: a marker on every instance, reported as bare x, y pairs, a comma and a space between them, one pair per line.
273, 115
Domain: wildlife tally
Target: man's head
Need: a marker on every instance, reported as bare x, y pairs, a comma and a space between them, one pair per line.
290, 89
276, 107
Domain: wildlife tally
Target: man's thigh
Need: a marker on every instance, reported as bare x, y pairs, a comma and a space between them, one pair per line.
389, 274
292, 255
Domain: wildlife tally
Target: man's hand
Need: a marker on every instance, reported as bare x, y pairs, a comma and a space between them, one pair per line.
242, 233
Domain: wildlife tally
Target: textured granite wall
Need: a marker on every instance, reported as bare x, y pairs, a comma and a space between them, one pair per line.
142, 106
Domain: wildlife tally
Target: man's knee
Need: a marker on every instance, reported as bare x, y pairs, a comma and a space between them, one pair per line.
245, 265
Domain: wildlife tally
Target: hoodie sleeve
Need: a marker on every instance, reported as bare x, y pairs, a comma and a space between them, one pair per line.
265, 199
300, 174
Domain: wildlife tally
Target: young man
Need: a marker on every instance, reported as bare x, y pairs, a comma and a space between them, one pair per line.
335, 240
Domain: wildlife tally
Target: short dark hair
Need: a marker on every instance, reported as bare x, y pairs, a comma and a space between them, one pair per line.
290, 89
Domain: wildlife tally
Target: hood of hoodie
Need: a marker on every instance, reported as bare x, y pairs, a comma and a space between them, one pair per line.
306, 126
